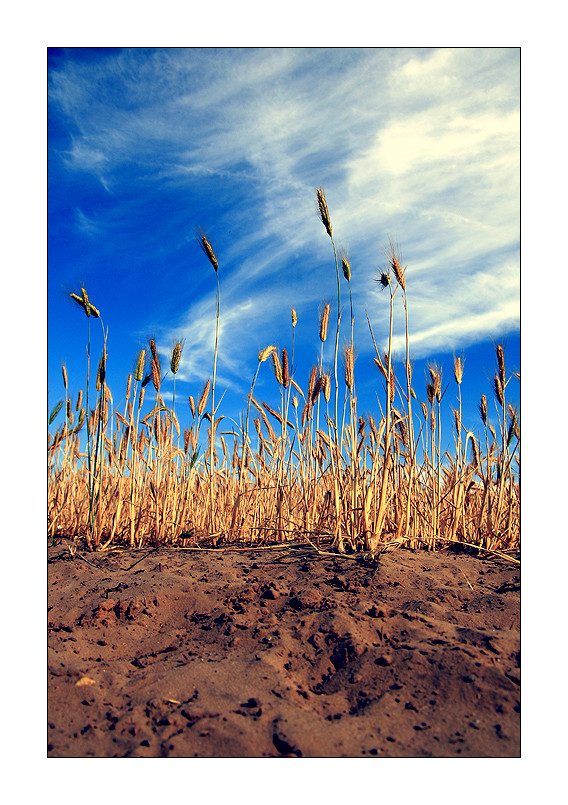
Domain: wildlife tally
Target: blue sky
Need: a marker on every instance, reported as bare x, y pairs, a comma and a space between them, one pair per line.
418, 144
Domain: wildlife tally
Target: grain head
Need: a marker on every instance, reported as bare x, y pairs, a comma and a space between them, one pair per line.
458, 369
208, 250
327, 386
323, 212
345, 264
55, 411
483, 409
265, 353
501, 363
398, 273
498, 389
474, 450
277, 367
203, 399
176, 356
139, 371
156, 379
381, 367
154, 351
285, 369
317, 389
324, 320
101, 372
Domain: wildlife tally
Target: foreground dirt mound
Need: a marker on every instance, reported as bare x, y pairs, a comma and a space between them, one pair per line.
282, 652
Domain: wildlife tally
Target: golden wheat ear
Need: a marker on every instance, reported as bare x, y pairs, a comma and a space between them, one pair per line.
265, 353
277, 367
176, 356
501, 364
458, 370
203, 399
483, 409
345, 264
323, 212
324, 321
397, 271
139, 372
207, 249
285, 369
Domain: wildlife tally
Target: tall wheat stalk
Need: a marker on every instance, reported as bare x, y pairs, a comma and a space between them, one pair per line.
89, 309
211, 256
325, 219
356, 486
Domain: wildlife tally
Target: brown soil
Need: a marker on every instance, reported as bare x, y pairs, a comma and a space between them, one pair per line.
282, 652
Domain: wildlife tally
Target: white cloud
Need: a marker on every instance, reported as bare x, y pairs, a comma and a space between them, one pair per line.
424, 141
421, 144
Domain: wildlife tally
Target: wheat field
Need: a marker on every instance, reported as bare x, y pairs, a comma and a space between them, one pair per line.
304, 467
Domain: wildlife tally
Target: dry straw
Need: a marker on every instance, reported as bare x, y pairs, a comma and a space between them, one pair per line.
349, 365
351, 488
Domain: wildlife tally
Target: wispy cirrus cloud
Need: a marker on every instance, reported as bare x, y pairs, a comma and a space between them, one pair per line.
421, 144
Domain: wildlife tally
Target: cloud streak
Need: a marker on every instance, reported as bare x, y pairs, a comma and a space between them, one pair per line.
421, 144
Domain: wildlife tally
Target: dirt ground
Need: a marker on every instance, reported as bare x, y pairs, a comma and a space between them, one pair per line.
282, 652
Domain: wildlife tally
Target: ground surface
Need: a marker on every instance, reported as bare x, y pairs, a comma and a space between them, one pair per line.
282, 652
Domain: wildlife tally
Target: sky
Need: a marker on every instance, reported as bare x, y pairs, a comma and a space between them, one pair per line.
147, 146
